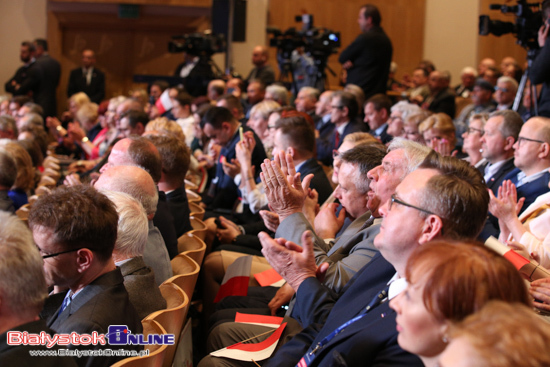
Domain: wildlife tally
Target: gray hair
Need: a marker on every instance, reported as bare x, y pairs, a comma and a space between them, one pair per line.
507, 79
407, 109
415, 153
32, 119
469, 70
278, 92
133, 227
312, 93
22, 282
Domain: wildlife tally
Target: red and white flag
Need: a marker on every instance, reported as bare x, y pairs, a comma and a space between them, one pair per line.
262, 320
164, 103
235, 281
269, 278
252, 352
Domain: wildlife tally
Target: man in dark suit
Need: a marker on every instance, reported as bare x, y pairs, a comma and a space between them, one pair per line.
75, 229
26, 80
532, 159
367, 59
222, 127
372, 338
175, 157
50, 72
344, 110
441, 98
87, 79
497, 144
132, 233
377, 113
22, 264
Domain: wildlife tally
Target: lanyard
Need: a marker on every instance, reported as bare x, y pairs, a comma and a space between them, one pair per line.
310, 355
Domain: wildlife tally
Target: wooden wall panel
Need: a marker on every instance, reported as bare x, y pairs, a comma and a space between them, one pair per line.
403, 21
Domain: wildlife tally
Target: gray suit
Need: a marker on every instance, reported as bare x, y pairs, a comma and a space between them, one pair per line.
349, 253
156, 255
101, 303
139, 281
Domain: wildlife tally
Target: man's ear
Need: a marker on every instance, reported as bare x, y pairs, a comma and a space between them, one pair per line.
510, 141
384, 114
291, 151
140, 128
433, 228
84, 259
544, 150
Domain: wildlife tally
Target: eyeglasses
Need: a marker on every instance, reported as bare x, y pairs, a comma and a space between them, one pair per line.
396, 200
60, 253
337, 107
521, 138
472, 130
505, 90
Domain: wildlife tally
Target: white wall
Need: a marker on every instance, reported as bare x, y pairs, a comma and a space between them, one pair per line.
20, 20
450, 36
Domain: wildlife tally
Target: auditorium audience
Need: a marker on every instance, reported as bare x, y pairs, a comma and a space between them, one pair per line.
375, 224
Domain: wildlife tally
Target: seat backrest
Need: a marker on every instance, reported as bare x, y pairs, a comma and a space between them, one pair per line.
156, 352
173, 317
196, 210
192, 246
199, 228
186, 272
192, 196
191, 186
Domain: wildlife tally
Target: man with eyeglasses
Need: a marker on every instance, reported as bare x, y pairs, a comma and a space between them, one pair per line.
344, 109
443, 198
532, 159
75, 229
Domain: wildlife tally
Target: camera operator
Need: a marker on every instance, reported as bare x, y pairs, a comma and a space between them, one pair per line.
196, 72
540, 70
303, 69
367, 59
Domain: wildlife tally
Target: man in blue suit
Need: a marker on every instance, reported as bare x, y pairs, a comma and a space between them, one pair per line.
420, 204
532, 159
344, 110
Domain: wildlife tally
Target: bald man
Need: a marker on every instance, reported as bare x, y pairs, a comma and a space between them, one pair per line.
139, 184
261, 69
532, 159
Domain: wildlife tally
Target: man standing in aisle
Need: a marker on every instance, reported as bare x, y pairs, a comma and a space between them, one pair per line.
367, 59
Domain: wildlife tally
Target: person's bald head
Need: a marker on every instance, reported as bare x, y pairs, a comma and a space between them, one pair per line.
134, 181
260, 56
136, 151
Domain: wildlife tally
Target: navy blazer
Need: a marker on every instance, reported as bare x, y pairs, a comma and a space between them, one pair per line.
531, 190
179, 206
495, 181
226, 191
326, 145
370, 341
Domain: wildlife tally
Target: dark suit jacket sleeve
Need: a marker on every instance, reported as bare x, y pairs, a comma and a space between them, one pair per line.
540, 70
314, 301
99, 92
352, 51
72, 87
31, 83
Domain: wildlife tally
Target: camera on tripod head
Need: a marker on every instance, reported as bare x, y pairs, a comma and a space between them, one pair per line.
197, 44
526, 27
318, 42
